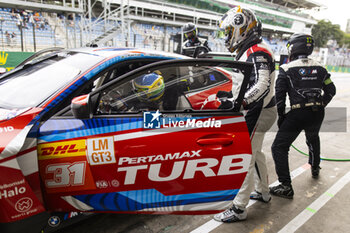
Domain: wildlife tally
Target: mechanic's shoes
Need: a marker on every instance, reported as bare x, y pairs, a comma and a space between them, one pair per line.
315, 171
255, 195
232, 214
281, 190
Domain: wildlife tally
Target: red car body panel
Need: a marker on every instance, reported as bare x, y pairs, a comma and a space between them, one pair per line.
169, 171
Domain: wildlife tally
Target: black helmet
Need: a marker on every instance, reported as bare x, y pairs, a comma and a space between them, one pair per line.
300, 44
190, 30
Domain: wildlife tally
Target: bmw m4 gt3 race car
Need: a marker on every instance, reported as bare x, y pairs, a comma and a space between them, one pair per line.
119, 131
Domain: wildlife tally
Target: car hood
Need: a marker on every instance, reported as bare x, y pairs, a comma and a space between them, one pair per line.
7, 114
14, 127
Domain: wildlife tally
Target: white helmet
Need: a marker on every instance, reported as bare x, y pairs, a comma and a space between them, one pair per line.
237, 23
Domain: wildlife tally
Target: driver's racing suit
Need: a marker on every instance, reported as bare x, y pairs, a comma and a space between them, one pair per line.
260, 103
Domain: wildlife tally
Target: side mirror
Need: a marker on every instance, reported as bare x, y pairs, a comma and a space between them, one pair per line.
81, 107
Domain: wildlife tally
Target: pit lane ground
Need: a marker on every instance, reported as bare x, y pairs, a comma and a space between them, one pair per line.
319, 205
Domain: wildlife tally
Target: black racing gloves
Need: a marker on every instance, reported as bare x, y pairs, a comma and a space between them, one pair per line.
224, 97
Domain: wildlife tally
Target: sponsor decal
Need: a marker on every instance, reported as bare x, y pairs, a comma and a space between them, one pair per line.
115, 183
309, 78
260, 59
6, 129
155, 158
6, 186
302, 71
7, 193
100, 151
72, 214
209, 167
102, 184
61, 149
3, 58
24, 204
263, 66
154, 120
54, 221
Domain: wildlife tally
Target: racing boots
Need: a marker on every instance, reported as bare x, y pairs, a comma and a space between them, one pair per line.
255, 195
232, 214
282, 190
315, 171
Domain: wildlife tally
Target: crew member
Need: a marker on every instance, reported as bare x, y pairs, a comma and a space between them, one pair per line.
310, 89
192, 40
243, 35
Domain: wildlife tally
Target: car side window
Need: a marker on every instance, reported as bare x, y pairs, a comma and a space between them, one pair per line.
167, 89
103, 78
205, 77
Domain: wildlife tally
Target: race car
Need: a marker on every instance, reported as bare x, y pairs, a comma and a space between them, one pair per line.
119, 130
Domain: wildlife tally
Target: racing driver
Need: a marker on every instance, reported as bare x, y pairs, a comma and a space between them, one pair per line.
243, 35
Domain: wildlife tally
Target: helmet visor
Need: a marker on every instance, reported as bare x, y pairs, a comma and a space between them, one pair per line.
225, 34
228, 35
190, 35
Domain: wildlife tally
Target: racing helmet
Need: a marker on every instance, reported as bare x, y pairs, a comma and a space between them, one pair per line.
149, 87
300, 44
238, 25
190, 30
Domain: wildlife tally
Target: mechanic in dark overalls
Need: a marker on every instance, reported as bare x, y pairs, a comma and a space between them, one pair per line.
192, 40
310, 89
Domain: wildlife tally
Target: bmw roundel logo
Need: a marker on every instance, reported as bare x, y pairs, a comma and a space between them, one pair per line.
302, 71
54, 221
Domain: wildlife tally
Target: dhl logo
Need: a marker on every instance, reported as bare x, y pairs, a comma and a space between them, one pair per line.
61, 149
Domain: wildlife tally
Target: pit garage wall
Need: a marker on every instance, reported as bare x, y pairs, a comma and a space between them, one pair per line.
10, 60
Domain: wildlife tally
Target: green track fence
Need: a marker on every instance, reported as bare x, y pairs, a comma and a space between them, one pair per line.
10, 60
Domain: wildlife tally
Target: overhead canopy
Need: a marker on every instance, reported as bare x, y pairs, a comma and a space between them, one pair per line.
306, 4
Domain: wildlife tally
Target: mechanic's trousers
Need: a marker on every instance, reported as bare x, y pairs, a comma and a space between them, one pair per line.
296, 121
257, 174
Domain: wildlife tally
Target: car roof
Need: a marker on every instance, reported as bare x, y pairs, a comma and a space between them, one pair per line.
109, 52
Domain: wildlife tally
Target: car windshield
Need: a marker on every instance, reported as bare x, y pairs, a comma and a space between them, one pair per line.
36, 82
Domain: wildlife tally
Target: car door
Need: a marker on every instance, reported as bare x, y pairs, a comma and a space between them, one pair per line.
140, 144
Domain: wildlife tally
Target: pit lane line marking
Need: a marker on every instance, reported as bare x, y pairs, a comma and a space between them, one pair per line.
212, 224
306, 214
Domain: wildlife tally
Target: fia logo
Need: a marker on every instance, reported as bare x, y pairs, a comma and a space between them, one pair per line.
151, 120
102, 184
